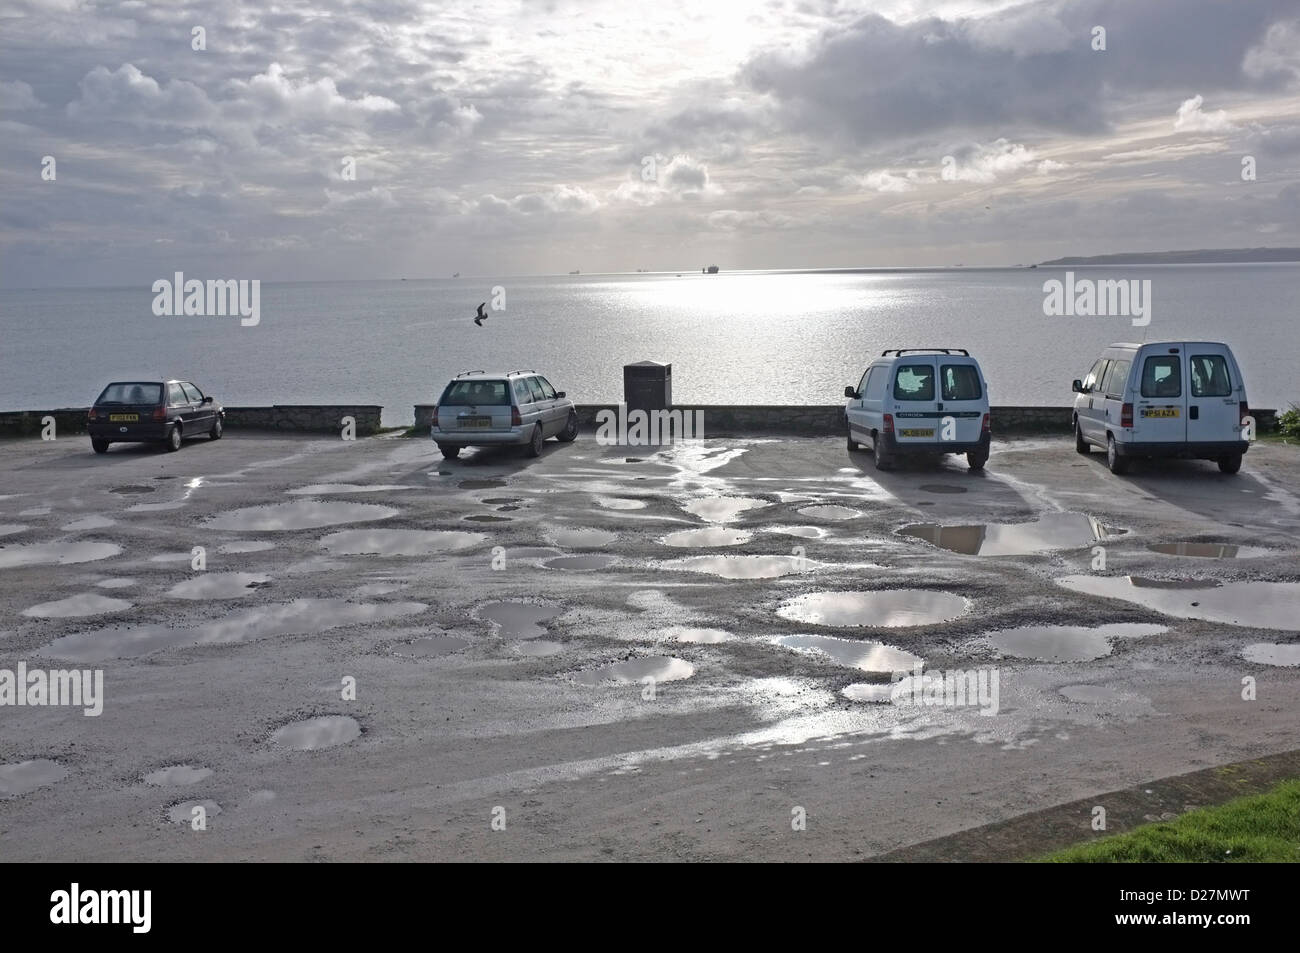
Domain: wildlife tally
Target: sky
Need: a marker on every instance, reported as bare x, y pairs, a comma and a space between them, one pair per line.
300, 141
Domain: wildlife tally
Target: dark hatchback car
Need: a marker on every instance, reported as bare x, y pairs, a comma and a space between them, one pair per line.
146, 411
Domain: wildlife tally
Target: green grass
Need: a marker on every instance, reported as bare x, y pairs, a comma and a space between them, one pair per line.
1263, 828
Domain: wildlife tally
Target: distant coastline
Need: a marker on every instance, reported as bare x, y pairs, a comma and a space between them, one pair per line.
1199, 256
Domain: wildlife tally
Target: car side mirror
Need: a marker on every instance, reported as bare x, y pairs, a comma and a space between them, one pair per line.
207, 400
850, 393
1077, 386
559, 394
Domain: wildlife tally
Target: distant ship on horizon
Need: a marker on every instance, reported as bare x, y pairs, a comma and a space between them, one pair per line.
575, 272
711, 270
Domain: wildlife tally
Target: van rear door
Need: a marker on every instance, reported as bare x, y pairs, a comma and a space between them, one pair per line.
962, 398
915, 401
1215, 393
1160, 392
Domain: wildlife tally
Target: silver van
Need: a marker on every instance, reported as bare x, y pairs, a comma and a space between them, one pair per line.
1163, 399
484, 409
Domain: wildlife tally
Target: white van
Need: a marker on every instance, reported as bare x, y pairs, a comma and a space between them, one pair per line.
921, 401
1163, 399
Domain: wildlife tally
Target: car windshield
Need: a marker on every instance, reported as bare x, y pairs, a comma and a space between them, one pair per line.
130, 393
477, 393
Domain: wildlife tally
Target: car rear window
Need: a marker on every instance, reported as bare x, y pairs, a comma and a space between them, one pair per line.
914, 382
478, 393
960, 382
1162, 376
1209, 375
131, 394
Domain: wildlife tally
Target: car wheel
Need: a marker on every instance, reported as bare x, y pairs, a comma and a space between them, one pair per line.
174, 438
99, 446
448, 451
1117, 464
975, 459
216, 431
1080, 445
535, 444
570, 431
1230, 464
884, 460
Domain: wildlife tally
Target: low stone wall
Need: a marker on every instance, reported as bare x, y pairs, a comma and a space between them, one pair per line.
28, 423
301, 418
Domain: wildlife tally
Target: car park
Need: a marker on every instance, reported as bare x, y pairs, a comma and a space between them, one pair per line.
510, 408
920, 401
1163, 399
162, 411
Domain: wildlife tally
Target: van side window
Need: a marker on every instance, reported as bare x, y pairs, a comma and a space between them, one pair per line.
1209, 375
522, 396
959, 382
914, 382
862, 384
1116, 378
176, 396
1094, 375
547, 390
1162, 376
536, 389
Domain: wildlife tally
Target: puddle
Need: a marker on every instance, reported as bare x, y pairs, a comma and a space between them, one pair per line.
681, 633
218, 585
500, 500
133, 488
875, 693
660, 668
301, 514
399, 542
300, 617
88, 522
722, 509
509, 508
324, 488
36, 511
803, 532
581, 537
517, 620
1271, 653
9, 529
539, 648
171, 558
1067, 643
887, 608
830, 511
480, 484
177, 774
580, 563
941, 488
117, 583
1265, 605
866, 656
313, 734
619, 503
24, 776
1091, 694
1209, 550
708, 536
50, 554
183, 813
1049, 532
252, 546
743, 567
488, 519
85, 604
431, 647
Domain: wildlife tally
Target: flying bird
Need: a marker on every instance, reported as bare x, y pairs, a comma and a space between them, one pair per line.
481, 316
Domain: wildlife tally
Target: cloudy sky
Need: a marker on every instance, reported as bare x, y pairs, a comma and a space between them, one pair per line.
501, 137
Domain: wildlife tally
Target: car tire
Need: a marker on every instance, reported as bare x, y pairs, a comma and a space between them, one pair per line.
535, 442
173, 439
217, 429
1230, 464
884, 459
99, 446
975, 459
449, 451
1080, 445
570, 431
1118, 465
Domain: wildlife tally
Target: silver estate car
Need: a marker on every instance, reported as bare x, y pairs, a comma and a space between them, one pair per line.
485, 409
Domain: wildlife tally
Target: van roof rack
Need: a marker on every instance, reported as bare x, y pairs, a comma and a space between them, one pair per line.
913, 350
528, 370
468, 373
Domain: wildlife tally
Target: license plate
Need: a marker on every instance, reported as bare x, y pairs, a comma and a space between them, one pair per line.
476, 421
1160, 412
927, 432
124, 418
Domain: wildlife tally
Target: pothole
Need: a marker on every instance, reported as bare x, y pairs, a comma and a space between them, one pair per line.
1049, 532
580, 538
313, 734
1067, 643
743, 567
830, 511
25, 776
177, 774
52, 554
218, 585
327, 488
73, 606
722, 509
866, 656
658, 667
117, 582
184, 813
88, 522
300, 514
539, 648
399, 542
1209, 550
487, 518
696, 636
803, 532
1273, 653
706, 537
488, 484
518, 620
886, 608
619, 503
250, 546
580, 563
1264, 605
876, 693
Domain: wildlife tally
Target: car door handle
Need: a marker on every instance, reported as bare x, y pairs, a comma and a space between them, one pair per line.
1194, 413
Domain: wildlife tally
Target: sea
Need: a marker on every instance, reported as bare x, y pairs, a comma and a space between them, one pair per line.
757, 337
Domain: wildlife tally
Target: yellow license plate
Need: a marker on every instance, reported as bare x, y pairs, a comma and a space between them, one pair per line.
927, 432
124, 418
476, 421
1160, 412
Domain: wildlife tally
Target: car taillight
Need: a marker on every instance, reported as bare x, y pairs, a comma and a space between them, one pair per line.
515, 419
90, 414
985, 428
889, 423
1126, 415
160, 413
443, 418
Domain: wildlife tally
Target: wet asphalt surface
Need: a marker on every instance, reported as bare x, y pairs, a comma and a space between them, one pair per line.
379, 562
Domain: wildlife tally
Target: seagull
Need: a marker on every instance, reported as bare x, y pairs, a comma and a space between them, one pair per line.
481, 316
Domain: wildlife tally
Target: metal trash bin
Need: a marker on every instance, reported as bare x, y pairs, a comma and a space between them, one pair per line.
648, 385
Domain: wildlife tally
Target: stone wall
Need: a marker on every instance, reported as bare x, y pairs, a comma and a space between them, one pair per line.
300, 418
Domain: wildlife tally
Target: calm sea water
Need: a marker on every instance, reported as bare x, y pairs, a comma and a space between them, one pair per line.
742, 338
